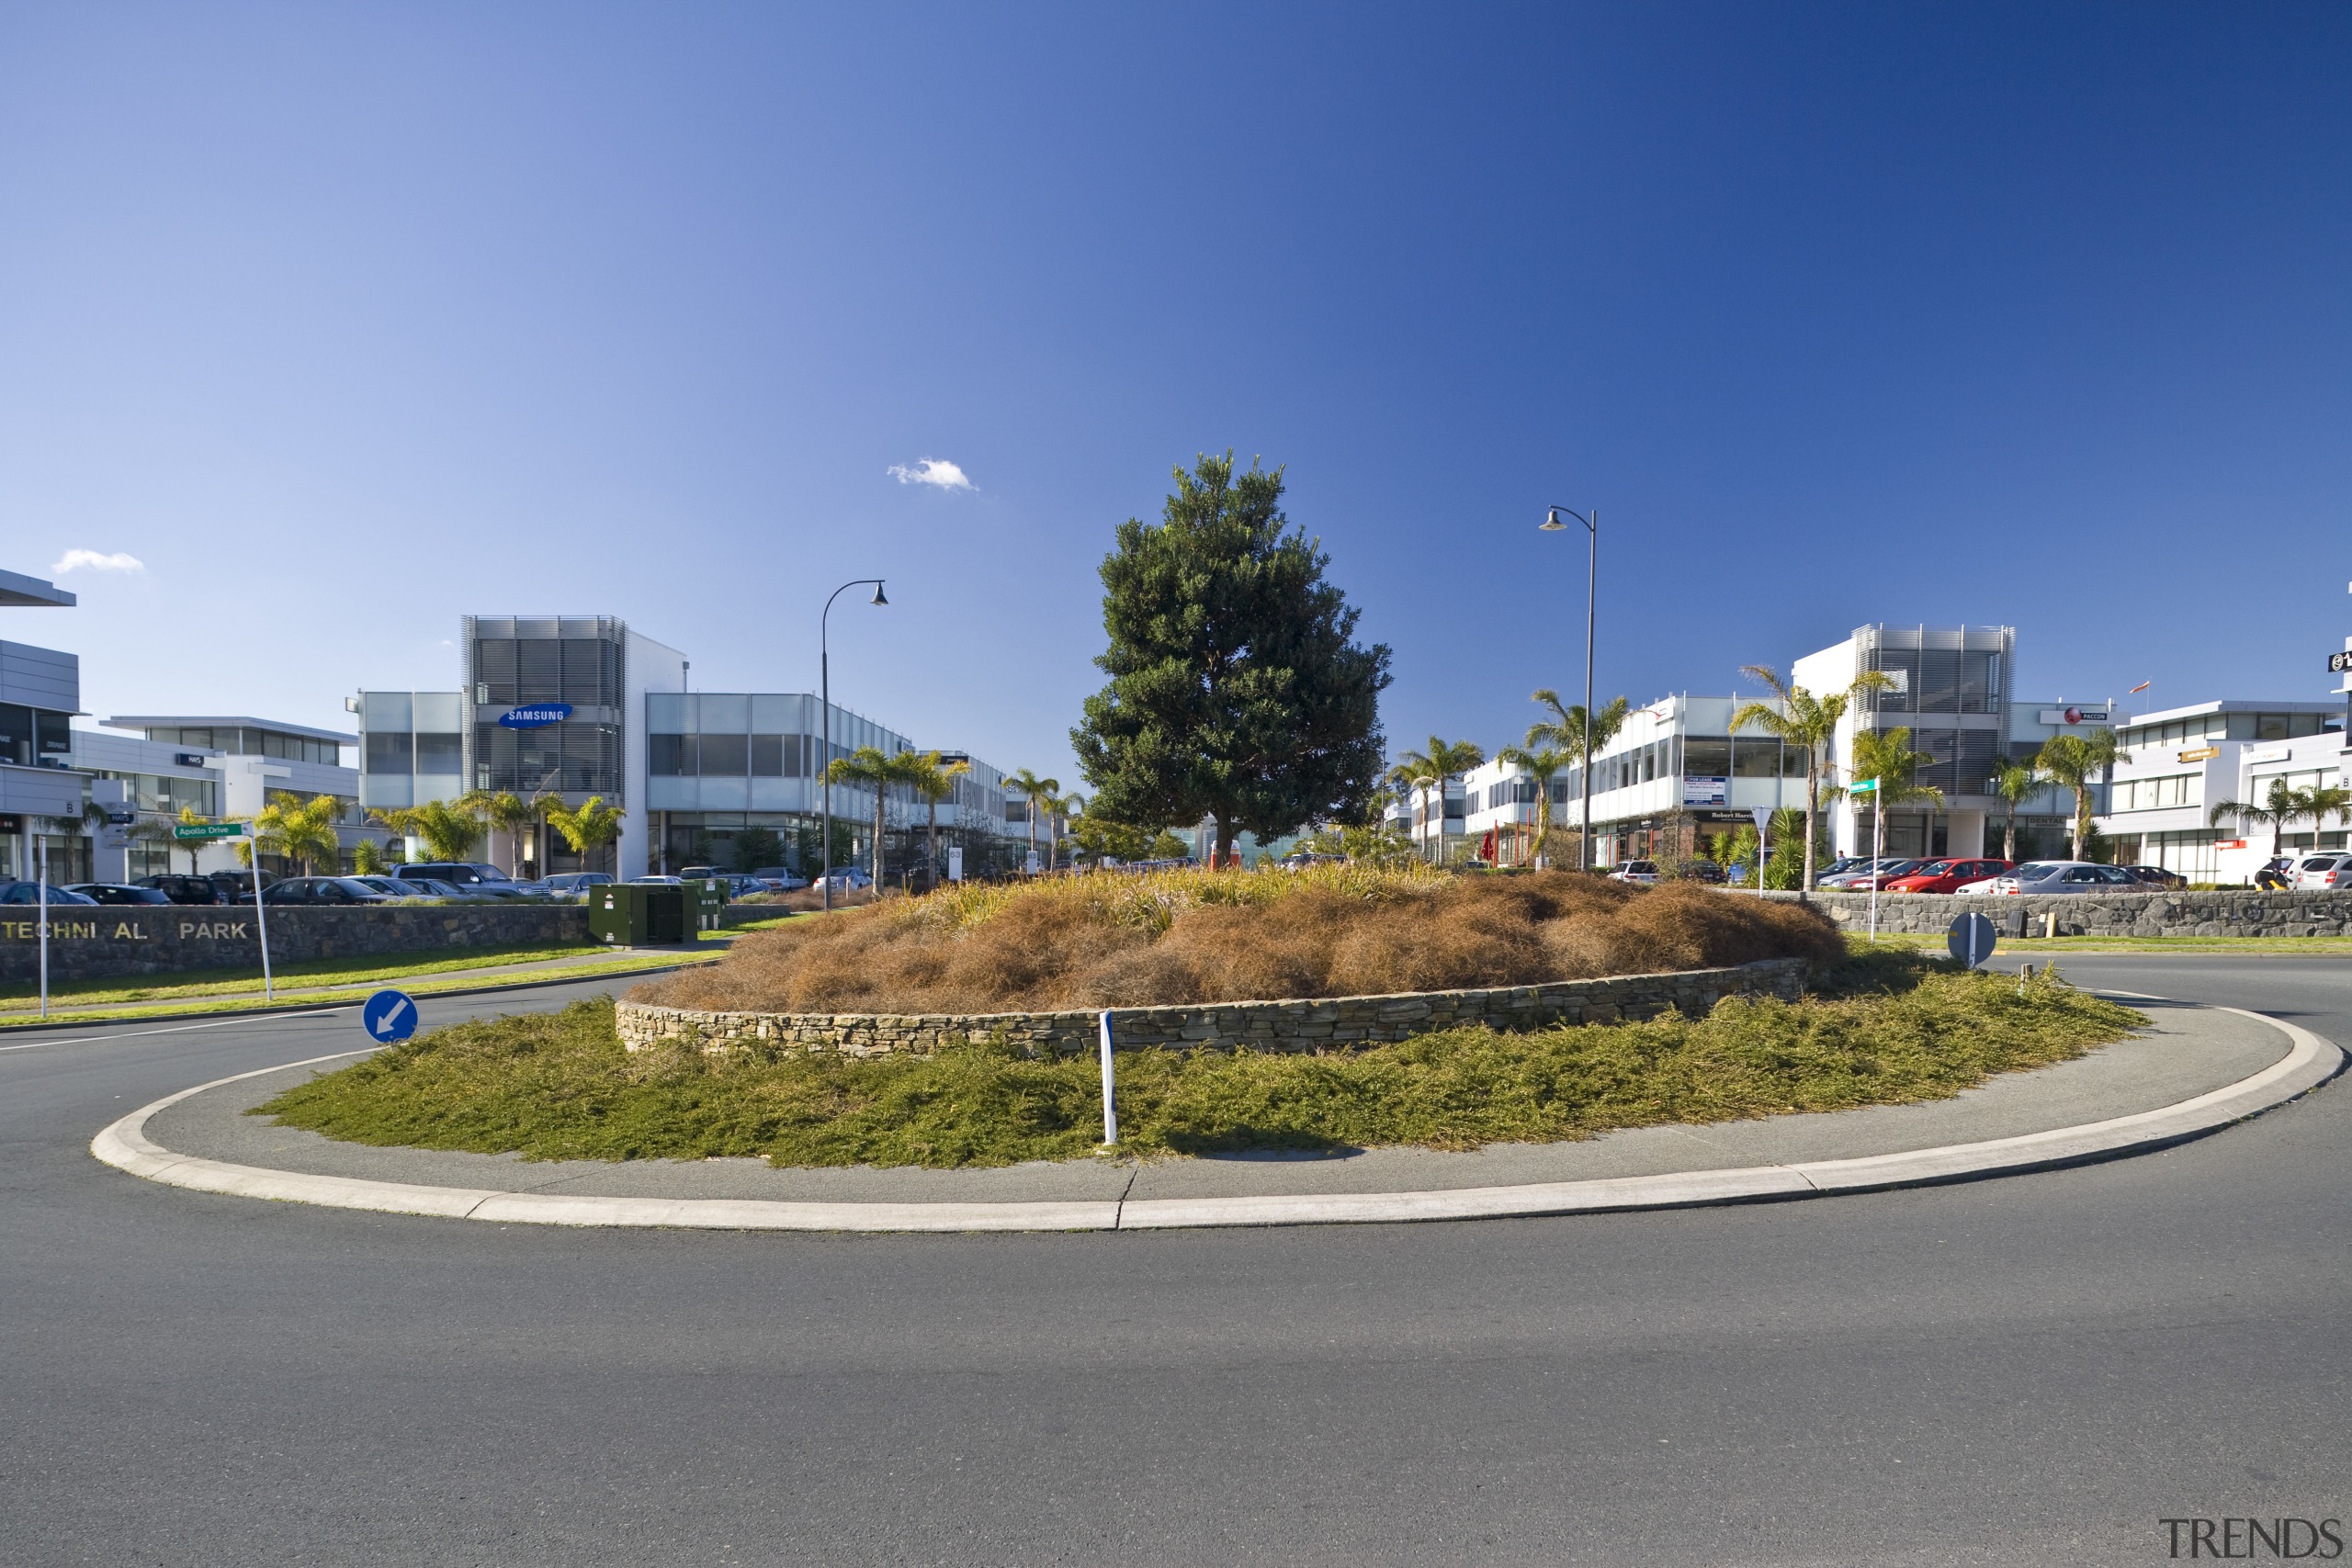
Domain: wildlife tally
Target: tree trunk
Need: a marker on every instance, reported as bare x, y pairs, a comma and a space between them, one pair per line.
1224, 839
2009, 837
1032, 828
932, 836
878, 840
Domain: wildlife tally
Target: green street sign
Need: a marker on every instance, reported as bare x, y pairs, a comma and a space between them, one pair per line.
1862, 786
187, 831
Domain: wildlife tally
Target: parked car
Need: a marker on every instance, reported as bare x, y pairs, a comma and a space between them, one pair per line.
236, 886
846, 878
2277, 871
573, 886
2038, 876
779, 879
393, 887
1945, 875
119, 893
2324, 871
1643, 871
658, 881
1885, 866
475, 876
183, 890
322, 890
699, 873
29, 893
1840, 866
1700, 869
2157, 876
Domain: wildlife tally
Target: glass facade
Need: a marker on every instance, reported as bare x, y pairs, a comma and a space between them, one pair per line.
515, 660
34, 738
239, 741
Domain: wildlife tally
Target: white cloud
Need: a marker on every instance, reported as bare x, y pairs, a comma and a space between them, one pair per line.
931, 471
75, 559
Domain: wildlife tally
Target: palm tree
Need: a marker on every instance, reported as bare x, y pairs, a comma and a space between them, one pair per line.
1434, 769
2016, 783
505, 813
2070, 761
2278, 808
1886, 756
1566, 727
1542, 766
1030, 788
2318, 802
301, 830
450, 830
590, 827
1797, 717
870, 766
932, 782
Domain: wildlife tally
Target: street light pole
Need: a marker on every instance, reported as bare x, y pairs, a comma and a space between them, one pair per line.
1552, 524
825, 756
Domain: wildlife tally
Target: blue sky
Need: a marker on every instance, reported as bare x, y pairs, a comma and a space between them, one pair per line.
346, 321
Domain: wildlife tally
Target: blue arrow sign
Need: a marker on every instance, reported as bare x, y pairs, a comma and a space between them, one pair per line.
389, 1016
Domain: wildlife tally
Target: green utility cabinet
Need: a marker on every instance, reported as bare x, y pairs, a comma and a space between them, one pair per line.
637, 914
709, 894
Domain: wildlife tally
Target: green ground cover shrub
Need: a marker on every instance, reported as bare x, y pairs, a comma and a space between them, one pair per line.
558, 1086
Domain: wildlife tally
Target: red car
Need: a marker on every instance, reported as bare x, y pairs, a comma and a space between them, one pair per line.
1946, 875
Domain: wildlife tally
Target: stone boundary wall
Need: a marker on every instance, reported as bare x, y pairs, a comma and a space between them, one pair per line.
1306, 1025
120, 939
2156, 912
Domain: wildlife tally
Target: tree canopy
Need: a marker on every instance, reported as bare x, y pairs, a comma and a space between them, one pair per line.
1236, 692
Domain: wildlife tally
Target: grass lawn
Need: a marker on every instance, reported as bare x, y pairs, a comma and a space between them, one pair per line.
560, 1085
2026, 947
230, 991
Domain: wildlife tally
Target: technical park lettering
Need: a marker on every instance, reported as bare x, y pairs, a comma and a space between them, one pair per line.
92, 931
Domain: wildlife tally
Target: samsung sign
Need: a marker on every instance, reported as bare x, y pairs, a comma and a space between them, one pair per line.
535, 715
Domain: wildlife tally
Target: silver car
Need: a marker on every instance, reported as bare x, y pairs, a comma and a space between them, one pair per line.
2067, 877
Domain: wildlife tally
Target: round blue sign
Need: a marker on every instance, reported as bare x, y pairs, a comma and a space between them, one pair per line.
389, 1016
533, 716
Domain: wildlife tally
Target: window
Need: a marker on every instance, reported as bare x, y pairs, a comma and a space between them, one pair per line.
440, 752
725, 756
390, 751
767, 756
666, 756
1708, 757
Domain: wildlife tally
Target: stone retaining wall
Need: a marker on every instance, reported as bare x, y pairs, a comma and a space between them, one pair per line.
2155, 912
99, 942
1310, 1026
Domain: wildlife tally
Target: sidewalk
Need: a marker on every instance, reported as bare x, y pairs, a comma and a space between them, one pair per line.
2188, 1053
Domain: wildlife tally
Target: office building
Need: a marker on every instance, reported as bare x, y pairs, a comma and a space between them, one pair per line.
2179, 763
1676, 774
575, 708
40, 795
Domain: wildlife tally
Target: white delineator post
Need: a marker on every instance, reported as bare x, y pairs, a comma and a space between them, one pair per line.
1110, 1100
261, 922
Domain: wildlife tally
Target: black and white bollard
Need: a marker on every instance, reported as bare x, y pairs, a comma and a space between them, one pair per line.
1110, 1101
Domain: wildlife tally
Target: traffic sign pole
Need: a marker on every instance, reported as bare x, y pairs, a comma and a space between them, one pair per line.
40, 863
261, 920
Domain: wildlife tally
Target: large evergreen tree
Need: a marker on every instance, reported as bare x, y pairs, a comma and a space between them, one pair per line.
1235, 692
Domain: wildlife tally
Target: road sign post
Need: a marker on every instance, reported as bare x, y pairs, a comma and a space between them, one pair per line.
1971, 941
1878, 840
1763, 816
204, 833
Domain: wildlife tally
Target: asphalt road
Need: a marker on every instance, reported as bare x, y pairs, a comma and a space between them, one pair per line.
2036, 1369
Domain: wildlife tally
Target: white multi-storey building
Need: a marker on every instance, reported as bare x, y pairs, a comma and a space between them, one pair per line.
2157, 803
1677, 773
577, 707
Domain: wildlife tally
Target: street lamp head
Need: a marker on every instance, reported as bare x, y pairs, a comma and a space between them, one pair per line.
1551, 524
878, 598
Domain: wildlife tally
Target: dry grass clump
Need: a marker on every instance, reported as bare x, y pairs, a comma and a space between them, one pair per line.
1200, 936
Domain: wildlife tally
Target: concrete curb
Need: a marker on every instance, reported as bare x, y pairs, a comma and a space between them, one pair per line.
325, 1003
2310, 1062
